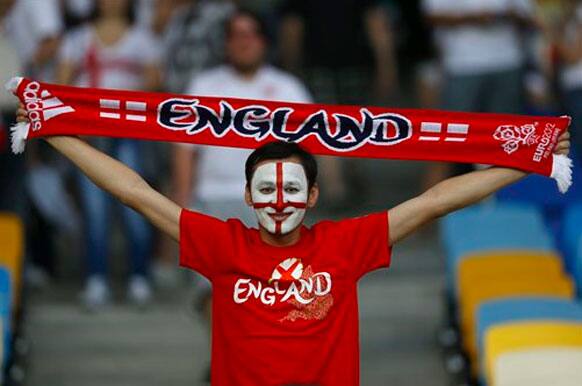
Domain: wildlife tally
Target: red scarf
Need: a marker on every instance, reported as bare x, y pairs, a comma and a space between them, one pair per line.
521, 142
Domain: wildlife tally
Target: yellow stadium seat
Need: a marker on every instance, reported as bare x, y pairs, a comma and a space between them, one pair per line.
12, 249
515, 337
493, 266
486, 290
510, 263
539, 367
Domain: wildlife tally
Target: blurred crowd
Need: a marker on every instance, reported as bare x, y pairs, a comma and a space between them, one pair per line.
510, 56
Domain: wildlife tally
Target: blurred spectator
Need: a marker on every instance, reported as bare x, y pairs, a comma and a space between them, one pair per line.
345, 51
482, 57
76, 11
481, 52
110, 52
12, 193
569, 44
202, 176
336, 45
192, 33
34, 29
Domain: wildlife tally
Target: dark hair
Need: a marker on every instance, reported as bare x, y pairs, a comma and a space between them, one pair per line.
129, 14
281, 150
261, 25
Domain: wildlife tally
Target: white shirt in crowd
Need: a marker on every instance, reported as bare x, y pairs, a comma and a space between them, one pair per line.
117, 66
571, 76
27, 24
220, 174
475, 49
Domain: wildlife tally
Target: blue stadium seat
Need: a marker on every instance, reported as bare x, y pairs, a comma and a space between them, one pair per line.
571, 233
541, 192
5, 310
578, 268
524, 309
491, 228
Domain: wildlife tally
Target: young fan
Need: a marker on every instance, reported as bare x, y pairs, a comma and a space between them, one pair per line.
285, 306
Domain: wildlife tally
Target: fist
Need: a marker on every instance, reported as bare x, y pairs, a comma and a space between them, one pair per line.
21, 115
563, 145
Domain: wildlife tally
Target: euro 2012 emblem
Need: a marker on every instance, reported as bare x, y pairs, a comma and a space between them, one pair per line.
513, 136
287, 271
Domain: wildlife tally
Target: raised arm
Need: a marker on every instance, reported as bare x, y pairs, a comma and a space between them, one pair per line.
119, 180
453, 194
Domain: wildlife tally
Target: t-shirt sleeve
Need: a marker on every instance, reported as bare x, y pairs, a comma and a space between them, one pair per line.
368, 242
205, 242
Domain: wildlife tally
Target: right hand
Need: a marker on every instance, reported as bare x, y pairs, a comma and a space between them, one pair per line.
21, 114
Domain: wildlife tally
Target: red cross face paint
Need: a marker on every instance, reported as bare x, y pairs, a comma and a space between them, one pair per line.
279, 193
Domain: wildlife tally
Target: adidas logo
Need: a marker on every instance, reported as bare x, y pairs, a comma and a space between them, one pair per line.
52, 106
42, 107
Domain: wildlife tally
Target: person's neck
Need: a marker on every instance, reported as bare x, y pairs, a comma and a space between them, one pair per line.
285, 240
111, 29
247, 73
112, 22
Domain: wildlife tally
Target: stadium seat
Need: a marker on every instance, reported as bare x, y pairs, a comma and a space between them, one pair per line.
571, 234
489, 228
493, 265
488, 269
12, 250
523, 336
539, 367
474, 296
5, 312
512, 310
578, 268
541, 191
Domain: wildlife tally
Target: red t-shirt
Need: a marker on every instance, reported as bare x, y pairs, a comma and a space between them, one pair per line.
284, 315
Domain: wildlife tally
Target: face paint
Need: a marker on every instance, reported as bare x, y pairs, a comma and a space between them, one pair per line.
279, 193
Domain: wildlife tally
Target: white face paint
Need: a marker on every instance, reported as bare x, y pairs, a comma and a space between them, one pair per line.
279, 193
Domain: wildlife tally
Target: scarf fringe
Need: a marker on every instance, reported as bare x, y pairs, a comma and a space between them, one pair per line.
18, 132
562, 172
18, 135
12, 84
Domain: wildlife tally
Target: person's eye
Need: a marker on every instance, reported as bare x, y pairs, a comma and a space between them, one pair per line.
266, 190
291, 190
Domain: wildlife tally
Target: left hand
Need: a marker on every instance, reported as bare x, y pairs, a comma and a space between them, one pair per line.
563, 145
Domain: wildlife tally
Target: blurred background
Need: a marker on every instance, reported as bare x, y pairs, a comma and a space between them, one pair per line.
90, 294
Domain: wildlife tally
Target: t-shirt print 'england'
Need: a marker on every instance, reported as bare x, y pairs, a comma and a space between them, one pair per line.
308, 292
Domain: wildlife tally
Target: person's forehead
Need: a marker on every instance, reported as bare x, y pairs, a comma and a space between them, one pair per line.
291, 160
243, 23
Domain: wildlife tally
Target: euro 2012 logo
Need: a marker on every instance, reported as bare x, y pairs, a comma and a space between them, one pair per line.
513, 136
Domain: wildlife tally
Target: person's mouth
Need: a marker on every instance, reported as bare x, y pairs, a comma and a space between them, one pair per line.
279, 217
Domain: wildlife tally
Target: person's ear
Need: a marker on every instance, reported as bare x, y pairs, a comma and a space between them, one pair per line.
248, 198
313, 196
